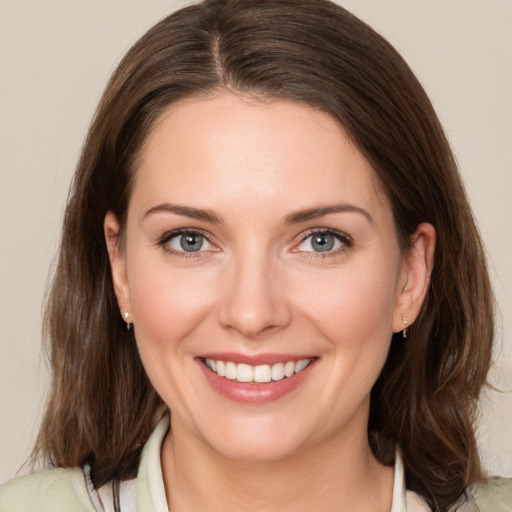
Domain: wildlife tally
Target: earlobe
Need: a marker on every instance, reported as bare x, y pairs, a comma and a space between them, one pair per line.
117, 262
417, 264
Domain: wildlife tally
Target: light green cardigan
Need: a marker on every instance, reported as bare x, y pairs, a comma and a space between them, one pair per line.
65, 490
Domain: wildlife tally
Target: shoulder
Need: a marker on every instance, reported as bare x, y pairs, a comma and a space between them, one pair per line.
493, 494
56, 490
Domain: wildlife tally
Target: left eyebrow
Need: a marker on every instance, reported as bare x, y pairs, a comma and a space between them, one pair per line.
313, 213
186, 211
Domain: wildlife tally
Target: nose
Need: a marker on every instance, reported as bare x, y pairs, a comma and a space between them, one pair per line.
254, 299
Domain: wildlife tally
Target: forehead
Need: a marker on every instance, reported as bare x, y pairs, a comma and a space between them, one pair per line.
223, 148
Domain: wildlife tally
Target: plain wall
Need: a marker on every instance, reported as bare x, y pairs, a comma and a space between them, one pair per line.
55, 58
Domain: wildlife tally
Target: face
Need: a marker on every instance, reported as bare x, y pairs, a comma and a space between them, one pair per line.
263, 275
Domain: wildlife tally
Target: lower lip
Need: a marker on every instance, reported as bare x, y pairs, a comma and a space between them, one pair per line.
254, 393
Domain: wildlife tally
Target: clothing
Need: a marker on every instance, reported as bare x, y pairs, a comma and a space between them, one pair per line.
70, 490
65, 490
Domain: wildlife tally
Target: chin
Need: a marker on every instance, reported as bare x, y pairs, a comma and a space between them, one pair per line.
256, 443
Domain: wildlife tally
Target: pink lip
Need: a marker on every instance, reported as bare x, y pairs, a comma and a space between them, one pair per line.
254, 393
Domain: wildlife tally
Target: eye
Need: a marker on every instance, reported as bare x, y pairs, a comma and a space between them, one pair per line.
189, 242
324, 241
185, 241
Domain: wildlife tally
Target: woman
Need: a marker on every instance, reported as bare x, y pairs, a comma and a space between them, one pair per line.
267, 236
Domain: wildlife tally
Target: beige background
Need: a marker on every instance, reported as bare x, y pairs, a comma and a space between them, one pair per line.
55, 57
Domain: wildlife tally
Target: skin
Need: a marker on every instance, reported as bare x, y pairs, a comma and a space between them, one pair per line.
258, 286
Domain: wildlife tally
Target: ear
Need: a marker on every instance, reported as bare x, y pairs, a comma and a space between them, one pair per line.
417, 263
117, 264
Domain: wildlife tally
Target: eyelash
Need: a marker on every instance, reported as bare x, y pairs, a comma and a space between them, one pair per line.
167, 237
346, 241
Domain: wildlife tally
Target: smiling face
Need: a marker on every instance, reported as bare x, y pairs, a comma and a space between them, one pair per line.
263, 275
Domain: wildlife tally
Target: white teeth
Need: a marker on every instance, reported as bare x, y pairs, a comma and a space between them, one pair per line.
230, 371
220, 368
289, 369
244, 373
261, 373
278, 371
300, 365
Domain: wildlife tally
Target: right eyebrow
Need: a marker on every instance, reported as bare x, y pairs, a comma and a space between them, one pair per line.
313, 213
186, 211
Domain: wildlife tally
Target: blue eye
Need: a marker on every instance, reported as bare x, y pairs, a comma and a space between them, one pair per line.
186, 242
191, 242
323, 242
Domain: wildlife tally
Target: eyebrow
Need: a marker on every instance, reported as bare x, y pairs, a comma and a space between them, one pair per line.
292, 218
186, 211
314, 213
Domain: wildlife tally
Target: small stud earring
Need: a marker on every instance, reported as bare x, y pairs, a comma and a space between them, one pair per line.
404, 332
128, 324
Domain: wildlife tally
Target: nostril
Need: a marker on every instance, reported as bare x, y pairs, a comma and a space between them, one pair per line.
253, 301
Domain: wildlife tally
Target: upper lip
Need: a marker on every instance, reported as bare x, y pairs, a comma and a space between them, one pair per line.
254, 359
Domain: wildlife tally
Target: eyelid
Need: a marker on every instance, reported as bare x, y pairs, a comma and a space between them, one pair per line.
164, 239
345, 239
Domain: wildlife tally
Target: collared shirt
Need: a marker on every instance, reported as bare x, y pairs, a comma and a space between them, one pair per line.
71, 489
153, 492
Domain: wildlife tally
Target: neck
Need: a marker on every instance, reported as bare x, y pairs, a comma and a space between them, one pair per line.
338, 474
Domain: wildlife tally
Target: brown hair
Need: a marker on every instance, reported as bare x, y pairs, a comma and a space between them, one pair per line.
102, 407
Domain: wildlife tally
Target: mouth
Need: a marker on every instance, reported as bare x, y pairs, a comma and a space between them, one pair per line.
261, 373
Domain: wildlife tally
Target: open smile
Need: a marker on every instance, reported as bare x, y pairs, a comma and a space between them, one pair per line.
268, 378
258, 373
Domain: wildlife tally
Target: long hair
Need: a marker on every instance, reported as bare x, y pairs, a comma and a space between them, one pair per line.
102, 407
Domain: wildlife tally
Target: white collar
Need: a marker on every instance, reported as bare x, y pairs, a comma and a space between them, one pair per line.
399, 501
151, 491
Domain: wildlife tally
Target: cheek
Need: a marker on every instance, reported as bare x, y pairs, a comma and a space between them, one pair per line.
353, 304
352, 308
354, 312
167, 305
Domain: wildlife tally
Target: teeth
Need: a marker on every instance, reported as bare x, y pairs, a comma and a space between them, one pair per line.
289, 369
244, 373
300, 365
230, 371
277, 371
261, 373
220, 367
